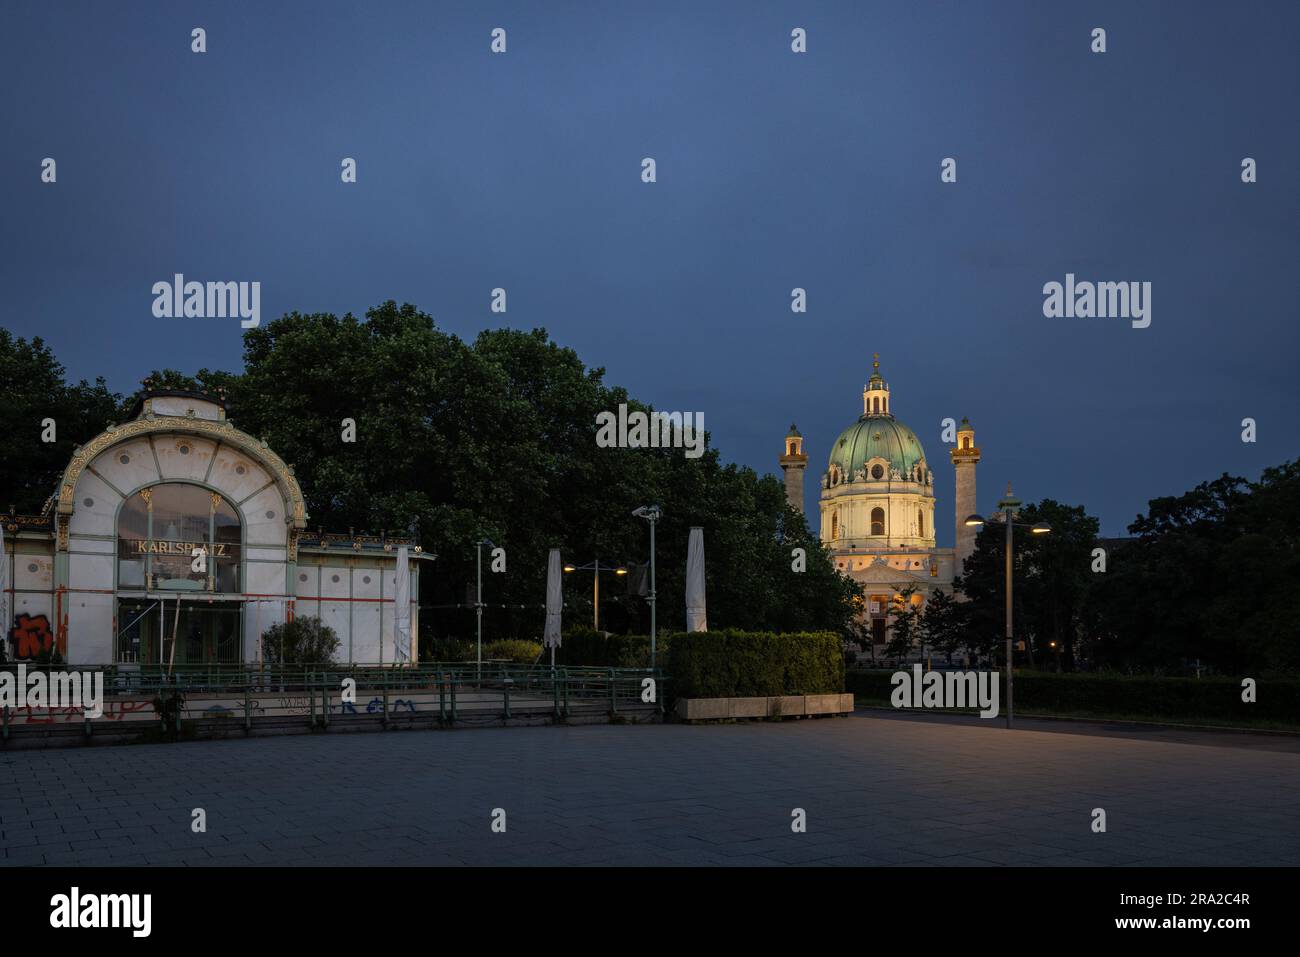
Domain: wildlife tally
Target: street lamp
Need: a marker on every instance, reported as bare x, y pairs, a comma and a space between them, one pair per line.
596, 567
478, 604
1008, 506
652, 514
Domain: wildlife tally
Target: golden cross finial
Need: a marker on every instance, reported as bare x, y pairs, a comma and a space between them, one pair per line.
875, 361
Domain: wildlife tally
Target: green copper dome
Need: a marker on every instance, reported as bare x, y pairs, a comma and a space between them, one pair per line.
876, 437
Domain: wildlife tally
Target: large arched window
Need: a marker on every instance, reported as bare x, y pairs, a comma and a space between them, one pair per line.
920, 523
166, 533
877, 521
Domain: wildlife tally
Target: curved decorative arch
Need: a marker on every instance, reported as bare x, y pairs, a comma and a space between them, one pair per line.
222, 431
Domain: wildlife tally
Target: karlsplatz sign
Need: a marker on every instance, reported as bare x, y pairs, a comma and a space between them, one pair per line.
145, 546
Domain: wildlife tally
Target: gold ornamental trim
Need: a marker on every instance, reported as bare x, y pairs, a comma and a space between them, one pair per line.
223, 431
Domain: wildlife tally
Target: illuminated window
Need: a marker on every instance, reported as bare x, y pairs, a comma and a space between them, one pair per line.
877, 521
158, 531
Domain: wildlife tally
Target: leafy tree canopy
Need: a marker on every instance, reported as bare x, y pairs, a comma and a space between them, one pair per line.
496, 439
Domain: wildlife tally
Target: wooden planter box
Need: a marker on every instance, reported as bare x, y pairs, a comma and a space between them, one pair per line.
787, 706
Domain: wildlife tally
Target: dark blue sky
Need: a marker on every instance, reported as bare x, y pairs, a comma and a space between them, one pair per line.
775, 170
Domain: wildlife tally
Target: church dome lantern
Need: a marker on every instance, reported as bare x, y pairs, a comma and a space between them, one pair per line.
877, 445
875, 394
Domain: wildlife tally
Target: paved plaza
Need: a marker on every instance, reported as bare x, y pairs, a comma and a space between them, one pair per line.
877, 789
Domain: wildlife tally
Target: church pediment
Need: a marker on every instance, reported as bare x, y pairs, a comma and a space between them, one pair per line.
881, 572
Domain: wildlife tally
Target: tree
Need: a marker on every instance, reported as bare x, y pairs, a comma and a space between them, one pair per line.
1050, 581
943, 624
34, 397
1210, 580
905, 624
496, 439
1058, 574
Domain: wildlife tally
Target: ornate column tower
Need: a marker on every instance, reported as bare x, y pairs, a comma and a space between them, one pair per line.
793, 463
964, 459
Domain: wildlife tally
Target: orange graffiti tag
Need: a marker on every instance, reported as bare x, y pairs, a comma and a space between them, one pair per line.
31, 635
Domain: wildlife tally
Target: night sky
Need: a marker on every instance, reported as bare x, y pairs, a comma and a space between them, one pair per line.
775, 171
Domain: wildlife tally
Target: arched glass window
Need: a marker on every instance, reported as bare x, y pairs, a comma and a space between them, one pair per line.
877, 521
835, 525
920, 523
159, 531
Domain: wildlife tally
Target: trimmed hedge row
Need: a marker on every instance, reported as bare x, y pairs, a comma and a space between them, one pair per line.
1184, 699
519, 650
741, 664
587, 647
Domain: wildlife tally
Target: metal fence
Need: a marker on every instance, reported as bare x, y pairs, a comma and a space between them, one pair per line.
496, 690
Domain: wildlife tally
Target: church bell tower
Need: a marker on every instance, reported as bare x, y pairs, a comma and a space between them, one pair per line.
964, 459
793, 462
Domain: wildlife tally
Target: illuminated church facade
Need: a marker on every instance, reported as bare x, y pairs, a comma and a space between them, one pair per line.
877, 504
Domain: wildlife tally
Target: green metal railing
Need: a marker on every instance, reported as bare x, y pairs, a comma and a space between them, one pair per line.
516, 687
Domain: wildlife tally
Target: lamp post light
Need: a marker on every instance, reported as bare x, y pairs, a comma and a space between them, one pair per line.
652, 514
1008, 506
478, 603
596, 567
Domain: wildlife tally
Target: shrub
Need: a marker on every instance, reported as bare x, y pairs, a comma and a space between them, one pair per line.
454, 650
740, 664
513, 649
302, 641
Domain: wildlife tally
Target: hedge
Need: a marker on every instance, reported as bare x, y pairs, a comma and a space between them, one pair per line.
583, 646
1201, 699
742, 664
518, 650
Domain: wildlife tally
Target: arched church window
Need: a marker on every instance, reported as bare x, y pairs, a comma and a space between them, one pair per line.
835, 525
965, 441
920, 523
877, 521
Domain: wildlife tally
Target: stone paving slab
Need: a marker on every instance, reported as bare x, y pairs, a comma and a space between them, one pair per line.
877, 791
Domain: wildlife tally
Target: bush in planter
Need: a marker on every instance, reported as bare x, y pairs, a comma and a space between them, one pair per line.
302, 641
741, 664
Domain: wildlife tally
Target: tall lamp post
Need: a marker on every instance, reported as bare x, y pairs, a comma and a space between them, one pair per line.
652, 514
478, 603
596, 567
1007, 506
